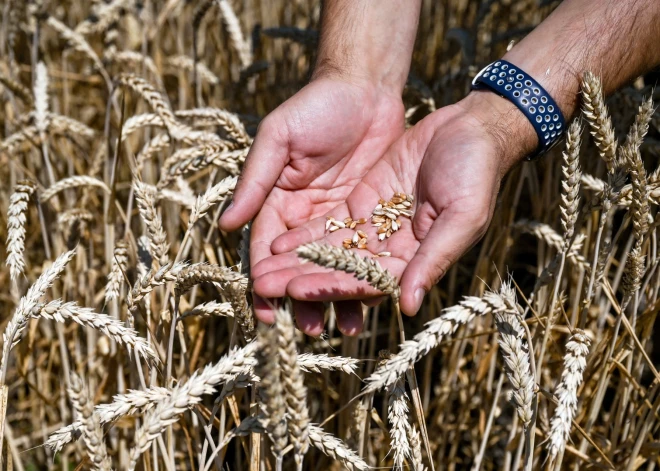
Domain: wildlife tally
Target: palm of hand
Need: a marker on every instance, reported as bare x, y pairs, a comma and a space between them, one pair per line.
450, 165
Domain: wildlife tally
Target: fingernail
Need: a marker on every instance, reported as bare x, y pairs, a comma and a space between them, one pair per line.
419, 297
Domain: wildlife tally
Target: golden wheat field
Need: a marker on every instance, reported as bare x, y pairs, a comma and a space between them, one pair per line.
128, 335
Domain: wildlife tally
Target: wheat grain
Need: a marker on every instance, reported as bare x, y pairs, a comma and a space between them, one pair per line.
575, 362
91, 428
16, 219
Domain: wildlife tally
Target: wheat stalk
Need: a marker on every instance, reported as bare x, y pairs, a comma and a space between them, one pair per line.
436, 330
16, 218
294, 386
575, 362
342, 259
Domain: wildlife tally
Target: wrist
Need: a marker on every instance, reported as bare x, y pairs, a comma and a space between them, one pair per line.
509, 129
361, 75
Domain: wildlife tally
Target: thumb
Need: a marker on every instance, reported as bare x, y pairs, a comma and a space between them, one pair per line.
451, 235
267, 158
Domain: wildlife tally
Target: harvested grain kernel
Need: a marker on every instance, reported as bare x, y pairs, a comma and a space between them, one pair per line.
362, 221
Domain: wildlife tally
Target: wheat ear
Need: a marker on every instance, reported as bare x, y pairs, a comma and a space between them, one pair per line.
41, 98
91, 428
436, 330
155, 99
60, 311
204, 273
151, 280
157, 237
72, 182
18, 323
210, 309
416, 460
118, 268
516, 357
294, 385
16, 219
342, 259
184, 161
271, 390
575, 362
187, 395
398, 416
570, 198
336, 449
597, 116
317, 362
241, 45
181, 62
213, 196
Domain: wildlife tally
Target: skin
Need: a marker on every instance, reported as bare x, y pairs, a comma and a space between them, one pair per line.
453, 161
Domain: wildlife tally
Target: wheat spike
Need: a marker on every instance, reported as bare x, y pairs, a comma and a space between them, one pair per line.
157, 237
72, 182
575, 362
336, 449
16, 219
436, 330
342, 259
106, 14
204, 273
118, 268
416, 461
213, 195
241, 45
317, 362
570, 198
516, 357
548, 235
151, 280
597, 116
210, 309
229, 121
190, 160
633, 272
294, 385
60, 311
397, 415
17, 89
271, 389
18, 323
176, 63
91, 428
155, 100
187, 394
41, 98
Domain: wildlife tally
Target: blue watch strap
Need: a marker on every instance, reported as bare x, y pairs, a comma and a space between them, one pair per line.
523, 91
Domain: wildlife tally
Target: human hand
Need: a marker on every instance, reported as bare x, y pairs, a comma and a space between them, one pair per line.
452, 162
307, 157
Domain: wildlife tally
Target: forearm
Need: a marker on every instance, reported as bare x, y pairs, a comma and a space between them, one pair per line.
617, 40
368, 40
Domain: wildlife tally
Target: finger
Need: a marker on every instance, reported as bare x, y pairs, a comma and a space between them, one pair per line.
264, 164
266, 227
310, 317
264, 308
308, 232
448, 238
350, 317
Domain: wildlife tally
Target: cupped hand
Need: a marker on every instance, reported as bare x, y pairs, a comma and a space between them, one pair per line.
307, 157
452, 162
